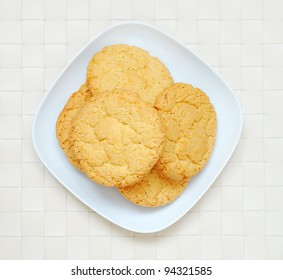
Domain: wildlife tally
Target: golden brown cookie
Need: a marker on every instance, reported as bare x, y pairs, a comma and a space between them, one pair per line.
128, 68
189, 121
117, 137
64, 122
153, 190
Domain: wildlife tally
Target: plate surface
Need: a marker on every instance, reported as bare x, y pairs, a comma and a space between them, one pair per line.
185, 66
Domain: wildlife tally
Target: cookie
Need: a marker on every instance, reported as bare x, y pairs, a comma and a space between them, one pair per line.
153, 190
189, 121
117, 137
64, 122
128, 68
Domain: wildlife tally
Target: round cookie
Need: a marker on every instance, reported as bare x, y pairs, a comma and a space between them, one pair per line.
153, 190
128, 68
189, 121
117, 137
64, 126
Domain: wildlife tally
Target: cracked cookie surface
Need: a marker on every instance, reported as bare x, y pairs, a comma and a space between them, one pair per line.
153, 190
189, 121
64, 126
130, 68
117, 138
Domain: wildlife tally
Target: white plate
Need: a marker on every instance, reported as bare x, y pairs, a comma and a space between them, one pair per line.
185, 66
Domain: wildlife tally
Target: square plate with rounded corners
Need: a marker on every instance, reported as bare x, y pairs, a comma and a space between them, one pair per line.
185, 66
